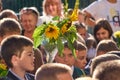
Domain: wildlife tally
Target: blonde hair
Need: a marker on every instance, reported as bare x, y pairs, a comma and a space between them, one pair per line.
56, 2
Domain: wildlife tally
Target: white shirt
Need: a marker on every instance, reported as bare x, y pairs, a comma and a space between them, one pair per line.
107, 10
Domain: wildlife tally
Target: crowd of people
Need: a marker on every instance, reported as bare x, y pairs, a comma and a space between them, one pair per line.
97, 54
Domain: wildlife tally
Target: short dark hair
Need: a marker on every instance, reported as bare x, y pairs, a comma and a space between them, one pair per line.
7, 13
102, 58
50, 71
105, 46
79, 26
9, 25
13, 45
79, 46
108, 70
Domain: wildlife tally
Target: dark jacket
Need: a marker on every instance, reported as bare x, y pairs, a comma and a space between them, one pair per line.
78, 73
11, 76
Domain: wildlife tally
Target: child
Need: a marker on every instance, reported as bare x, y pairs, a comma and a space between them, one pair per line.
8, 13
69, 60
109, 56
53, 71
17, 52
9, 26
108, 70
80, 62
82, 30
105, 46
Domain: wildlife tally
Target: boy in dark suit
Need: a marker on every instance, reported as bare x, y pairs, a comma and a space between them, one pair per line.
17, 52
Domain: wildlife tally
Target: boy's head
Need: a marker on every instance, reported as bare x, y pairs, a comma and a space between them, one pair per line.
108, 70
67, 57
102, 58
7, 13
84, 78
8, 27
53, 71
81, 29
17, 51
81, 50
106, 46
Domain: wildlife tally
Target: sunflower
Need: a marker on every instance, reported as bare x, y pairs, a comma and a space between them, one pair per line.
3, 66
74, 16
117, 34
3, 70
52, 32
64, 28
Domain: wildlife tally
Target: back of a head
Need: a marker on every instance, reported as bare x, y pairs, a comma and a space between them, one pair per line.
90, 42
114, 52
79, 46
9, 26
106, 46
7, 13
102, 58
80, 38
84, 78
50, 71
109, 70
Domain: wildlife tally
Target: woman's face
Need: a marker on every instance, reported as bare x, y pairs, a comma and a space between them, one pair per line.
102, 34
51, 9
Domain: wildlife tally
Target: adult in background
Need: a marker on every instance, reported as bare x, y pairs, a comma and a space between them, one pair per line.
28, 20
51, 8
108, 9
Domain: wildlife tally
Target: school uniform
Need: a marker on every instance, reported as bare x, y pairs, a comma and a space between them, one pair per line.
12, 76
78, 73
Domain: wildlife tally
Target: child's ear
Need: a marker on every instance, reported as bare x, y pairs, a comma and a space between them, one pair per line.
14, 59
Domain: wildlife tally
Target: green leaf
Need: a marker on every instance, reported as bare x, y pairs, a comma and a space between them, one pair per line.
38, 35
56, 18
71, 46
38, 41
61, 23
60, 46
3, 73
39, 30
71, 36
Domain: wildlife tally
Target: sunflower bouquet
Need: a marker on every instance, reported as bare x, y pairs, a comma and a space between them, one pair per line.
3, 70
117, 36
54, 33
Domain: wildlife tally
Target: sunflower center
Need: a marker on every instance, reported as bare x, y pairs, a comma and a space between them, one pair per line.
51, 30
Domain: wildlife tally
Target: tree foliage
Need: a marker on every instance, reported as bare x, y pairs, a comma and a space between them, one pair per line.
16, 5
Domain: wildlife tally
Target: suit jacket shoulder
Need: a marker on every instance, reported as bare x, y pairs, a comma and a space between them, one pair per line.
11, 76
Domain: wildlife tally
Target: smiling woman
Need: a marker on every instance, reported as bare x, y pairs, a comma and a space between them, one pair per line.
28, 19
